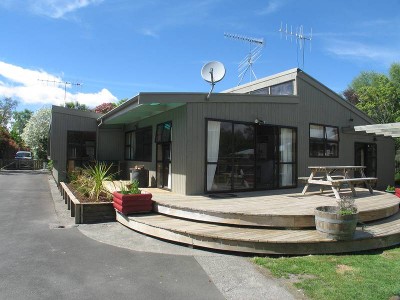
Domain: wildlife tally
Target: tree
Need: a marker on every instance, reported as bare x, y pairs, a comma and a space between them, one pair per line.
35, 134
394, 74
122, 101
8, 147
21, 118
380, 100
378, 95
7, 107
104, 108
76, 105
351, 95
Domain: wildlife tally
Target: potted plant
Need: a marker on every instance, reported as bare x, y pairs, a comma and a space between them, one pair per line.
337, 222
390, 189
130, 199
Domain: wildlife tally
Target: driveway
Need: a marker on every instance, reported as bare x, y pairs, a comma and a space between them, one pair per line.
41, 261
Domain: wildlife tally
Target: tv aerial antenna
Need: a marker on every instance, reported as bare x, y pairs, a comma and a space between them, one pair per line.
65, 83
300, 38
213, 72
255, 47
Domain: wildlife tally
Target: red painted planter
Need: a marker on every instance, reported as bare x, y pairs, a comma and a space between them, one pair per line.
133, 203
397, 192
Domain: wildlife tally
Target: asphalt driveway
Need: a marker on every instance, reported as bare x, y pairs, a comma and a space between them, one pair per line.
39, 260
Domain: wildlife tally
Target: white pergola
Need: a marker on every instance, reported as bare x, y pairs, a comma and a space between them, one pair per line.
389, 129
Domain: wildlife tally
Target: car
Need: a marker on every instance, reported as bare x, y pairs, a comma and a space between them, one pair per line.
23, 155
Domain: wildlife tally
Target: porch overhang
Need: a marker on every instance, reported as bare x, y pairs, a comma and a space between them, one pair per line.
139, 112
389, 129
146, 105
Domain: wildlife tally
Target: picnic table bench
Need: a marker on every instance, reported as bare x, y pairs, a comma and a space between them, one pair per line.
336, 181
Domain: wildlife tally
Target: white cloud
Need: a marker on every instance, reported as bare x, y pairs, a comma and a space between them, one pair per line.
362, 51
52, 8
39, 87
149, 32
272, 7
58, 8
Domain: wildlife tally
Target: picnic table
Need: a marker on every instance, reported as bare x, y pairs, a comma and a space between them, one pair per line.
336, 176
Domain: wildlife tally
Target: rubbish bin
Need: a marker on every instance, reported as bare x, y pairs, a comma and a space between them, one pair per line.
140, 174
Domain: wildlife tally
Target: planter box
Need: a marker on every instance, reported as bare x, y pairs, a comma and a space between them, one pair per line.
333, 225
133, 203
86, 213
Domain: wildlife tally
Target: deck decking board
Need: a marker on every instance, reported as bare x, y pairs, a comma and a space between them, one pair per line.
272, 211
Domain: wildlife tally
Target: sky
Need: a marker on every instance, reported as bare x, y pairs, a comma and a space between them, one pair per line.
96, 51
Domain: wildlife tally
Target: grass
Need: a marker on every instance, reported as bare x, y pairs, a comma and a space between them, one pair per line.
355, 276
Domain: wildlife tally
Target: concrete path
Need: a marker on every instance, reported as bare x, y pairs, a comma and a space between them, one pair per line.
39, 260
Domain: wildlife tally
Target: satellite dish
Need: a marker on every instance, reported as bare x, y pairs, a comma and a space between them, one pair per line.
213, 72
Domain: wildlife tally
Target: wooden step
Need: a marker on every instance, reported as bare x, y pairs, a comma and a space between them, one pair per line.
378, 234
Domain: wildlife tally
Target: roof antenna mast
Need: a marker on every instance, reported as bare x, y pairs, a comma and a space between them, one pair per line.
65, 83
255, 48
299, 37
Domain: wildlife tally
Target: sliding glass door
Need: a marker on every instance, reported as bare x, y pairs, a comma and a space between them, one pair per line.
244, 156
230, 156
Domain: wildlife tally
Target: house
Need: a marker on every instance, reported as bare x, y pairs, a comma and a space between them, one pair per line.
258, 136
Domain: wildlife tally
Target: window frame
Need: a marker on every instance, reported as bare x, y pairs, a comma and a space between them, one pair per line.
324, 141
140, 150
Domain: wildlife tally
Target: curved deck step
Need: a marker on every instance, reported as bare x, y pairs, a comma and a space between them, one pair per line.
287, 211
378, 234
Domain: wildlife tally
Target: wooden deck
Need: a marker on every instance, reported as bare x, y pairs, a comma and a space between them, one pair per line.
271, 210
275, 222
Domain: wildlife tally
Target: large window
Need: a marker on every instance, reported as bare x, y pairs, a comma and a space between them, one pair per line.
138, 144
81, 148
324, 141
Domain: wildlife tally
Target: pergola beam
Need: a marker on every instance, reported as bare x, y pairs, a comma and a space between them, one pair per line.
389, 129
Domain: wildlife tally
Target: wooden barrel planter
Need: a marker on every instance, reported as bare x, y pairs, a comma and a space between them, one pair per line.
334, 225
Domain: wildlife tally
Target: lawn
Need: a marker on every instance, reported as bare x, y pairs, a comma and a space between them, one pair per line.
370, 275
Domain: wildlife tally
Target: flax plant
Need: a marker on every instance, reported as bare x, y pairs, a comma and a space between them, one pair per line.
90, 182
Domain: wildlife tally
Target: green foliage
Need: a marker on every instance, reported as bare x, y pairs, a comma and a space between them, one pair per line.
367, 276
50, 165
76, 105
122, 101
8, 147
7, 107
133, 188
380, 101
17, 138
90, 180
390, 188
35, 134
346, 206
394, 74
21, 118
378, 95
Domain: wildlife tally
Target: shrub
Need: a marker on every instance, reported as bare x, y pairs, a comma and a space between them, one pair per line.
90, 181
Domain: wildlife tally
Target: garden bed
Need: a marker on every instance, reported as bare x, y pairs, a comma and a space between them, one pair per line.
83, 210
